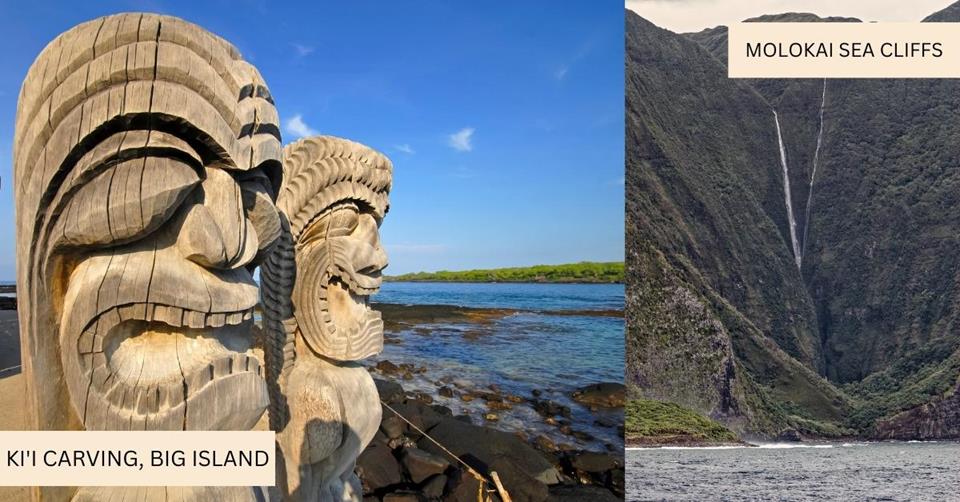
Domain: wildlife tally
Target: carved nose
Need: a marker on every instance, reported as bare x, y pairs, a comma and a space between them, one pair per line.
380, 260
215, 232
200, 238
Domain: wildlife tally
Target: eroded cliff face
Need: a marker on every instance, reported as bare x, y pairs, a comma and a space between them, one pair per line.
864, 337
938, 419
717, 317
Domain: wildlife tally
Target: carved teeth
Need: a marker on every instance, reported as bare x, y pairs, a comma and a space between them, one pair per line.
216, 320
222, 367
194, 319
234, 318
169, 315
131, 312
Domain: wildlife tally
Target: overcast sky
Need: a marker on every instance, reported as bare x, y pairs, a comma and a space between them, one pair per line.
694, 15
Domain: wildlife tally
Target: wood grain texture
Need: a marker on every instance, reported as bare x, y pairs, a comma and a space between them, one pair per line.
315, 289
144, 175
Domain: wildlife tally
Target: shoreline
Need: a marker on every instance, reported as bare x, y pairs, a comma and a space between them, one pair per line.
652, 443
588, 418
394, 462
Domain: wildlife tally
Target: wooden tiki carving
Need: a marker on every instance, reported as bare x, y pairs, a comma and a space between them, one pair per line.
315, 286
147, 154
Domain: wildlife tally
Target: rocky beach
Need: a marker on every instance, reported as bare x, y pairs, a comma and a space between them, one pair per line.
545, 442
453, 371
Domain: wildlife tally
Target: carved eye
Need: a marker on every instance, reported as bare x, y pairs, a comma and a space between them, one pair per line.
340, 221
343, 221
126, 201
367, 230
260, 210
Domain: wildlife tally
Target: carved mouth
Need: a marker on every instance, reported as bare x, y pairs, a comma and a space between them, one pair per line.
176, 351
336, 320
162, 367
350, 313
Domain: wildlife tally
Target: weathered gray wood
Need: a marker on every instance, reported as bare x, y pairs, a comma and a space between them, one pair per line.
143, 179
315, 286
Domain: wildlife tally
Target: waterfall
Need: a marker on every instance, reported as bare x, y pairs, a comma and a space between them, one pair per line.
813, 172
786, 193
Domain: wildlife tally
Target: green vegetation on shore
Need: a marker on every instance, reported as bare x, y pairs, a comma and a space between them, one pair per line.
649, 421
583, 272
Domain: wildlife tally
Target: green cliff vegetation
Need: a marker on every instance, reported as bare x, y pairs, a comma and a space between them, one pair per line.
722, 317
583, 272
656, 422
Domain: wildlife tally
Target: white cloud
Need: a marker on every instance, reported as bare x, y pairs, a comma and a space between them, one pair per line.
297, 127
302, 50
405, 148
561, 72
461, 140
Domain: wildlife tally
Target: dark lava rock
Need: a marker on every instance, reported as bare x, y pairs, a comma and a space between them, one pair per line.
434, 487
441, 410
421, 465
790, 435
7, 303
390, 392
404, 496
445, 391
419, 414
424, 398
545, 444
574, 493
387, 368
462, 487
549, 408
595, 462
392, 426
604, 395
377, 468
616, 481
498, 405
522, 469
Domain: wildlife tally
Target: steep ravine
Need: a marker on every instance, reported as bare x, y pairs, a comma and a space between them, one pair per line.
822, 251
813, 171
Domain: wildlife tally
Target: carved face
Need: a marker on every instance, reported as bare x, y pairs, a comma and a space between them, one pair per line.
335, 193
158, 329
339, 264
160, 160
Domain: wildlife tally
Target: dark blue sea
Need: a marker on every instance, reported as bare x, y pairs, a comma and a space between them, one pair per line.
555, 338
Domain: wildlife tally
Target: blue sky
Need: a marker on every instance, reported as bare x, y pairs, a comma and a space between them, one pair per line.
504, 121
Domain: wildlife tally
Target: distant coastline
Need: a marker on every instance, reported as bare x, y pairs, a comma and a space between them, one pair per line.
570, 273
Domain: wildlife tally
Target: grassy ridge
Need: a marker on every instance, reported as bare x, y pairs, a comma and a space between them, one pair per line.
583, 272
649, 420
